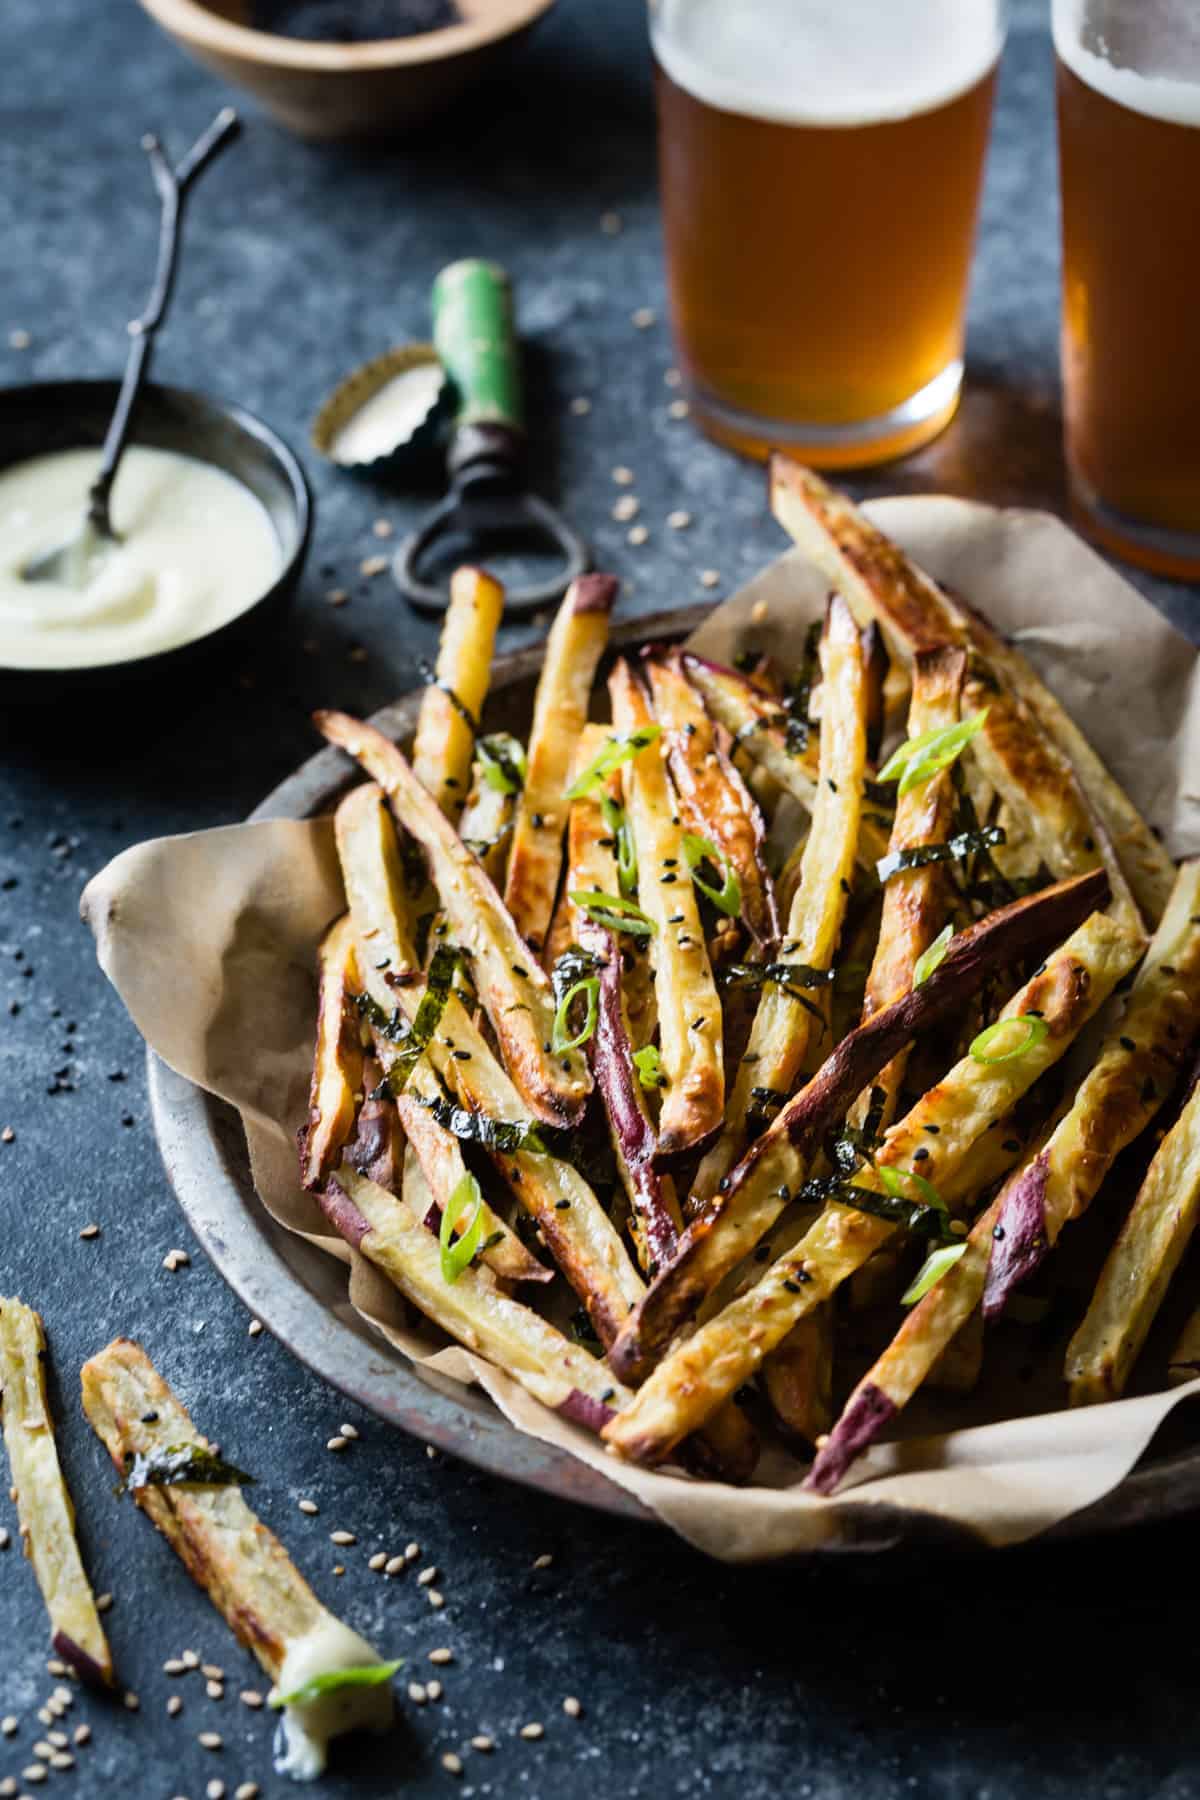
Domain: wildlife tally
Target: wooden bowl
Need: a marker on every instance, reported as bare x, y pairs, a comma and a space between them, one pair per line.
321, 90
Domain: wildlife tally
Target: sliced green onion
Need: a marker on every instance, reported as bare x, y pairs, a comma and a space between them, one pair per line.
1032, 1031
933, 958
893, 1180
617, 751
457, 1252
366, 1675
622, 832
613, 911
727, 898
931, 1272
648, 1064
503, 760
559, 1039
918, 759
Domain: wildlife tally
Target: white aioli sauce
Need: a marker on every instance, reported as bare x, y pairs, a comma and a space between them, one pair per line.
306, 1730
196, 549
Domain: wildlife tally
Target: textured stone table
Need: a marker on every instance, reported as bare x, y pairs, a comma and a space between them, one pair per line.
1032, 1675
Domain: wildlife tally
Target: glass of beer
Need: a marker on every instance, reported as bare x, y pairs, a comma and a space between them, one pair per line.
821, 162
1129, 148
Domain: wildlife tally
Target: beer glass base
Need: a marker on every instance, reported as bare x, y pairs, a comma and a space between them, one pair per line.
1172, 553
916, 421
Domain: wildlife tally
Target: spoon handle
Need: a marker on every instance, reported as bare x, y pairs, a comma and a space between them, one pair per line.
172, 185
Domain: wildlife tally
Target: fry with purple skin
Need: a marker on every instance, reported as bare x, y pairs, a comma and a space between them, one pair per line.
703, 1370
453, 700
573, 650
44, 1508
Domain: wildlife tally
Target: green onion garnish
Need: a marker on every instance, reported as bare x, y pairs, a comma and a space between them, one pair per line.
503, 761
622, 832
698, 850
893, 1180
613, 911
933, 957
648, 1064
457, 1252
367, 1675
918, 759
559, 1038
1032, 1031
931, 1272
616, 751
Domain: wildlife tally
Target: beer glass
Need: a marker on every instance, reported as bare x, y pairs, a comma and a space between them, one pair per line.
820, 165
1129, 149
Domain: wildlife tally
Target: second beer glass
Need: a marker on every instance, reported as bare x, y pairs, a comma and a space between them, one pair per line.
821, 162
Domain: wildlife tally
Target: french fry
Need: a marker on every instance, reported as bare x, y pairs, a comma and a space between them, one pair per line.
704, 1369
689, 1011
776, 1165
377, 1146
453, 701
783, 1024
797, 1379
1185, 1357
337, 1081
1140, 1267
1024, 752
228, 1551
44, 1508
714, 801
486, 824
573, 650
514, 990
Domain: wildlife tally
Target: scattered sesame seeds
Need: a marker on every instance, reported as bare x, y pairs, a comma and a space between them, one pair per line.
210, 1740
441, 1656
339, 1568
45, 1715
434, 1689
679, 520
174, 1705
212, 1671
308, 1506
709, 578
543, 1561
59, 1739
215, 1690
8, 1786
131, 1701
215, 1790
581, 405
4, 1537
174, 1665
427, 1575
249, 1790
572, 1707
622, 476
481, 1742
383, 528
337, 1443
349, 1431
637, 534
393, 1565
611, 224
190, 1660
672, 378
678, 409
176, 1259
90, 1231
411, 1552
62, 1759
83, 1734
251, 1697
342, 1537
43, 1749
9, 1724
371, 566
35, 1772
435, 1599
533, 1730
7, 1135
103, 1602
627, 507
337, 596
378, 1561
63, 1697
452, 1764
416, 1693
254, 1329
19, 339
644, 318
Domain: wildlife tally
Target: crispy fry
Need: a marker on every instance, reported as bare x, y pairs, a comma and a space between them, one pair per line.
44, 1507
573, 649
486, 824
783, 1024
337, 1080
514, 990
714, 801
689, 1011
441, 756
704, 1369
797, 1379
772, 1171
1141, 1265
1185, 1357
377, 1146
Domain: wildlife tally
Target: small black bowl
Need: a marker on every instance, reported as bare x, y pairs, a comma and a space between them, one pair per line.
45, 416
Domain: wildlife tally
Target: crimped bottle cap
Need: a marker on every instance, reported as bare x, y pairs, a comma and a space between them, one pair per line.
389, 411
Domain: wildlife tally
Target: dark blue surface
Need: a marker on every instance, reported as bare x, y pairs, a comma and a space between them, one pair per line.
1041, 1674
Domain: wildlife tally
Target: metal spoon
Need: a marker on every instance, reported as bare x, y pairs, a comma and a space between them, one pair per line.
74, 563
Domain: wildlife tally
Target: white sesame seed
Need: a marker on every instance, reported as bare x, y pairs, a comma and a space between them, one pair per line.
679, 520
212, 1671
4, 1538
190, 1660
19, 340
411, 1552
9, 1724
90, 1231
452, 1764
215, 1790
416, 1693
543, 1561
64, 1696
210, 1740
308, 1506
431, 1451
441, 1656
434, 1689
483, 1743
378, 1561
168, 1261
383, 528
45, 1715
103, 1602
131, 1701
54, 1667
572, 1707
83, 1734
348, 1431
678, 409
436, 1600
581, 405
372, 565
627, 507
174, 1705
7, 1135
427, 1575
342, 1537
336, 1443
622, 476
174, 1665
215, 1690
394, 1564
59, 1739
182, 1259
251, 1697
611, 224
339, 1568
710, 578
644, 318
249, 1790
337, 597
62, 1759
533, 1730
637, 534
672, 378
43, 1749
35, 1772
255, 1327
8, 1786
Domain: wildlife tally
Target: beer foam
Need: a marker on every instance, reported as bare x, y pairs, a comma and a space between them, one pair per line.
826, 62
1154, 96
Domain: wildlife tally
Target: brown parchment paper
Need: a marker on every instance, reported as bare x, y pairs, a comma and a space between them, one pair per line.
210, 941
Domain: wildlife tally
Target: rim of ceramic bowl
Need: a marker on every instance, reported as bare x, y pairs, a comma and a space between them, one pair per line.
205, 29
